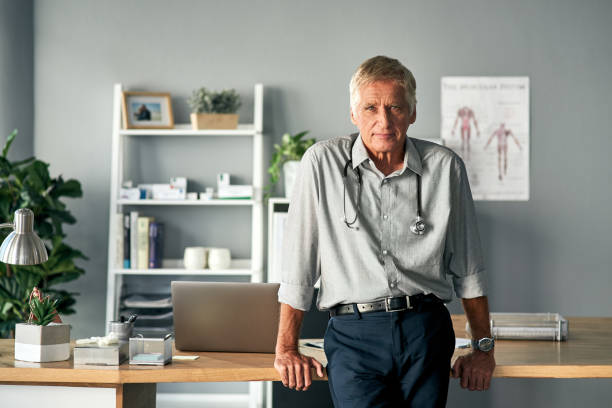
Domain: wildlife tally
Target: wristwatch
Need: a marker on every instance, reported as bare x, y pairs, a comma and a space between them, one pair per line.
485, 344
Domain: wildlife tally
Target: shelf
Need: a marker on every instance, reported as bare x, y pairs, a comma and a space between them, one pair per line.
122, 151
188, 202
186, 130
279, 200
238, 267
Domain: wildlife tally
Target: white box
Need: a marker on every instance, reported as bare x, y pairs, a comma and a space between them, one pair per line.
235, 191
223, 179
129, 194
168, 192
179, 182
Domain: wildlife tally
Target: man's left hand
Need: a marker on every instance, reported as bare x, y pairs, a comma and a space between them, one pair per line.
475, 370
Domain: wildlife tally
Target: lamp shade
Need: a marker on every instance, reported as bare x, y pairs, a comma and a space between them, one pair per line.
23, 246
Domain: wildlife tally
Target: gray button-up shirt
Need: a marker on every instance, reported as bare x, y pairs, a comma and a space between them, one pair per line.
381, 257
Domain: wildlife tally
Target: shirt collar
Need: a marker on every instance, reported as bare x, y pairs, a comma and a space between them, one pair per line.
412, 159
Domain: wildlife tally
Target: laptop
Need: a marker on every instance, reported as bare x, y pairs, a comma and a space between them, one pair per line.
225, 316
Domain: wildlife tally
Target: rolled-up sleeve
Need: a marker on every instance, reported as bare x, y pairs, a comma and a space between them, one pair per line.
463, 252
300, 267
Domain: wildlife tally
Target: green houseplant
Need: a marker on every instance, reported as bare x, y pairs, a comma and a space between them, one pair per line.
44, 337
214, 110
287, 156
27, 183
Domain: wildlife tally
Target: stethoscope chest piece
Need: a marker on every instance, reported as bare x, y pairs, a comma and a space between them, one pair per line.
418, 227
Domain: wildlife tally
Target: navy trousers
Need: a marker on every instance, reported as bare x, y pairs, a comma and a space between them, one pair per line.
390, 359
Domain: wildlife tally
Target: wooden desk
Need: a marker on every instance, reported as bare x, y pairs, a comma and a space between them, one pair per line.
587, 354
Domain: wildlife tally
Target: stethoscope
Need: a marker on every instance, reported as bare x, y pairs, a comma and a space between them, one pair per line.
417, 227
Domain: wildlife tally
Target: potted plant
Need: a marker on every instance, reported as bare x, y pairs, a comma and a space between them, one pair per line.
44, 337
27, 184
214, 110
287, 156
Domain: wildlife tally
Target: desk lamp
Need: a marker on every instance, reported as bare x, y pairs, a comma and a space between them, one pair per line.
22, 246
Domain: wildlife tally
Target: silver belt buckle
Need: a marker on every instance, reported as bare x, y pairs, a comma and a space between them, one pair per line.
398, 309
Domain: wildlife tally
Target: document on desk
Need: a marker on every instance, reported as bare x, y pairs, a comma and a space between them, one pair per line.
315, 344
185, 357
462, 343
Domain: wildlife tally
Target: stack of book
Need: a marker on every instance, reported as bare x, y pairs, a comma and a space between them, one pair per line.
139, 241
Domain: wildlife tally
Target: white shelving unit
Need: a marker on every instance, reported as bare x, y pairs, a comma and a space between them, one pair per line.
251, 268
238, 267
186, 202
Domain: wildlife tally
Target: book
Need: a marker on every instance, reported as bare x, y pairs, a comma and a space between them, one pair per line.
126, 241
278, 221
118, 233
156, 232
143, 242
134, 239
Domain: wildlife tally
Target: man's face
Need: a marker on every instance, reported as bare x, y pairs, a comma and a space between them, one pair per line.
382, 116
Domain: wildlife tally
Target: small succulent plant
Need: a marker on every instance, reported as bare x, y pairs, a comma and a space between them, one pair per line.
43, 310
204, 101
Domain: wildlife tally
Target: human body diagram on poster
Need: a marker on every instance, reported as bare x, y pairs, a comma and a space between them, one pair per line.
498, 107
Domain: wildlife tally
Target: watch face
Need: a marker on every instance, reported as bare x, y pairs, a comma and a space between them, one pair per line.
485, 344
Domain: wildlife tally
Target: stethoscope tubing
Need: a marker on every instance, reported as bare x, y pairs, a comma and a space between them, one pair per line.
418, 226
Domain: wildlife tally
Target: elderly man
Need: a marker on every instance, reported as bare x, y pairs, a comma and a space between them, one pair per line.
388, 225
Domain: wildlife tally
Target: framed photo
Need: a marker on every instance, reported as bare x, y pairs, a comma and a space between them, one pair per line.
147, 110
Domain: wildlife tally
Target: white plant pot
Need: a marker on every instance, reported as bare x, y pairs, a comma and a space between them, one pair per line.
290, 170
41, 344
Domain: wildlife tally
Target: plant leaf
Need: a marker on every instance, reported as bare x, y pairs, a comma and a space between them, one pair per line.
70, 188
9, 142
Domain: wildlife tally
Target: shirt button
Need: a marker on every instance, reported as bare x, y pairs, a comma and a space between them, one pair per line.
385, 217
385, 252
393, 284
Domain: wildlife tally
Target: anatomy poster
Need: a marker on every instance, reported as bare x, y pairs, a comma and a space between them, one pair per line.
486, 121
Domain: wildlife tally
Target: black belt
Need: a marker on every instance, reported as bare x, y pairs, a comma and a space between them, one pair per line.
390, 304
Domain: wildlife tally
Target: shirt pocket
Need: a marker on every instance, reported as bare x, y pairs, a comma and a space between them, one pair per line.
422, 250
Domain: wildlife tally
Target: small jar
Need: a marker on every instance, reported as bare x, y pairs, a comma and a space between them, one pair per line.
219, 258
195, 258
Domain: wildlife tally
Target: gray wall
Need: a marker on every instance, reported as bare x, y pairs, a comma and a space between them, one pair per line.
16, 76
548, 254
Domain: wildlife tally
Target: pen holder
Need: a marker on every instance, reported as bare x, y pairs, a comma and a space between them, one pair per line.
123, 330
151, 351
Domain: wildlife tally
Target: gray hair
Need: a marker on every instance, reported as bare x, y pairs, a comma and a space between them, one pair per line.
382, 68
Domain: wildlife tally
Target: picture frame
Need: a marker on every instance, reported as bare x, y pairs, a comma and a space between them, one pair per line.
147, 110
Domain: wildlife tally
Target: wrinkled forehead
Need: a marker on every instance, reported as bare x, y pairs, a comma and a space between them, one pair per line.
382, 90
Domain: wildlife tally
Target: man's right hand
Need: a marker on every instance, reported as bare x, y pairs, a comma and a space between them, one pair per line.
295, 369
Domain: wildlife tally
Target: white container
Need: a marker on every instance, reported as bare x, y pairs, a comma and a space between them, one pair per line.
290, 170
42, 344
195, 258
219, 258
